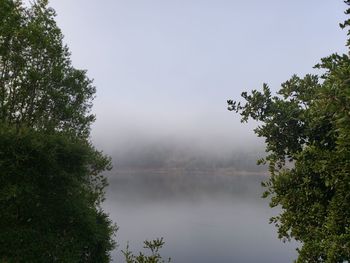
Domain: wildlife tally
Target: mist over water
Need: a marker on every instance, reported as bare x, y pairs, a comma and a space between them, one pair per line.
184, 167
203, 216
200, 191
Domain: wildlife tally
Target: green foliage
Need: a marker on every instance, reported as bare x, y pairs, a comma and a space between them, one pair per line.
51, 185
153, 246
39, 87
48, 200
307, 133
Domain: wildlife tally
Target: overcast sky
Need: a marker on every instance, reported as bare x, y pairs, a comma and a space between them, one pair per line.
165, 68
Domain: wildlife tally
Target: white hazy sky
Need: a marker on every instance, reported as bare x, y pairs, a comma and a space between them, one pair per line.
165, 68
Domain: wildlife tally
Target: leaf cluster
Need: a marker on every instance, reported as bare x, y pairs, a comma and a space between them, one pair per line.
48, 203
153, 246
39, 87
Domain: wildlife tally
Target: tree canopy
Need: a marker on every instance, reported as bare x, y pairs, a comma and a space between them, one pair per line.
306, 127
39, 87
51, 186
48, 204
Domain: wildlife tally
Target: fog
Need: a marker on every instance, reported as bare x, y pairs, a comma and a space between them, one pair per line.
184, 166
164, 69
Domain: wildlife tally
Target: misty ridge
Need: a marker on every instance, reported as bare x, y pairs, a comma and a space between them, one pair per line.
172, 155
171, 168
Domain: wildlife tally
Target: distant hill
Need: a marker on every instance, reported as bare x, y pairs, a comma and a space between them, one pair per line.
168, 157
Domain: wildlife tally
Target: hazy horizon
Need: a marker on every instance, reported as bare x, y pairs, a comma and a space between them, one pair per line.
164, 69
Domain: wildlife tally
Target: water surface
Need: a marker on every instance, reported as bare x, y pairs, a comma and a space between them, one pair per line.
203, 217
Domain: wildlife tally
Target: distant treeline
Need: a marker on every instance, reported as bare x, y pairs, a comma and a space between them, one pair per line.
163, 157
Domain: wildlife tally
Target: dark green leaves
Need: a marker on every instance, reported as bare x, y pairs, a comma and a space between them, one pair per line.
38, 85
153, 246
48, 200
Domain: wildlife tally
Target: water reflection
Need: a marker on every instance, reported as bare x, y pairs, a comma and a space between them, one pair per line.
203, 217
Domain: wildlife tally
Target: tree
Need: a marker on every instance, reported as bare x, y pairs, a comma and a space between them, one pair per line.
48, 204
39, 87
51, 186
306, 127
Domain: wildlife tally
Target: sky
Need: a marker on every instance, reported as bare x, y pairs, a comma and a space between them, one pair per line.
165, 68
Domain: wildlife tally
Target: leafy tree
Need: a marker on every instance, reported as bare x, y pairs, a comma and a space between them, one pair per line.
39, 87
51, 185
49, 210
306, 127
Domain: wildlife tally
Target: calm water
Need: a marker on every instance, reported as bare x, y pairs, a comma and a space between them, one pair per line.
203, 217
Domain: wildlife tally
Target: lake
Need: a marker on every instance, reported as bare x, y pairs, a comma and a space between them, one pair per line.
204, 217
